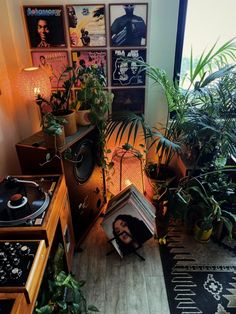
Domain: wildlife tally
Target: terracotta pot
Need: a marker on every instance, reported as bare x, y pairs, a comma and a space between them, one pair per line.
82, 117
55, 142
70, 116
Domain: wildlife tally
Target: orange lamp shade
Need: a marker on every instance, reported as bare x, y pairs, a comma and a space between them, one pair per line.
32, 82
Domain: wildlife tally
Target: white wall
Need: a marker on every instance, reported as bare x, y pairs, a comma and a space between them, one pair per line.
19, 120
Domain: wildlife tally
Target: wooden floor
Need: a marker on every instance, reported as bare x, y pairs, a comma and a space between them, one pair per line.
121, 286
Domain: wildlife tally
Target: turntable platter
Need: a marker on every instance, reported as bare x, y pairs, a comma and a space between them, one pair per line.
21, 201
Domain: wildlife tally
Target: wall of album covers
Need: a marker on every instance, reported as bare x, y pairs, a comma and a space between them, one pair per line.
87, 34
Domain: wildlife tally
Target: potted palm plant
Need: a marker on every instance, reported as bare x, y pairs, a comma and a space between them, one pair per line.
196, 110
199, 129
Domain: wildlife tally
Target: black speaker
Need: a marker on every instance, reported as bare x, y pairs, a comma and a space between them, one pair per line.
84, 178
85, 183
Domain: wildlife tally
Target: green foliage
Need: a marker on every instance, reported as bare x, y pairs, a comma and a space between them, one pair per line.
52, 125
201, 130
89, 85
63, 294
59, 99
92, 93
197, 125
66, 297
203, 197
215, 57
126, 121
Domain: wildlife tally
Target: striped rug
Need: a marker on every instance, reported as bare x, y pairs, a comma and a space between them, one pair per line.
199, 278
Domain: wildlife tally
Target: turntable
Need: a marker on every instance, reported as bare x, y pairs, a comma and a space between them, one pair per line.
22, 202
34, 214
29, 206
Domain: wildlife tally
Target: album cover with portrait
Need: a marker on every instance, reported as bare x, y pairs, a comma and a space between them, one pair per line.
87, 26
128, 24
129, 221
53, 63
126, 69
45, 26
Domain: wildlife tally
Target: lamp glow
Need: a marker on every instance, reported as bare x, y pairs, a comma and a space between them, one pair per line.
127, 169
32, 82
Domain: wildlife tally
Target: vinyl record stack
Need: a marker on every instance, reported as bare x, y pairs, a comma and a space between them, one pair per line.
132, 205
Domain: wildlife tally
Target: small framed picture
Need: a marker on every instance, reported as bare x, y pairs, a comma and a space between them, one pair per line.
126, 71
85, 58
45, 26
128, 24
87, 27
129, 99
53, 63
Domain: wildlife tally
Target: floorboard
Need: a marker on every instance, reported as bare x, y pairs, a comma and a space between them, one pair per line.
121, 286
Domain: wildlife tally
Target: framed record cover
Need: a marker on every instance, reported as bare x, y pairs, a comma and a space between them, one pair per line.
129, 99
53, 63
45, 26
86, 58
87, 26
126, 70
128, 24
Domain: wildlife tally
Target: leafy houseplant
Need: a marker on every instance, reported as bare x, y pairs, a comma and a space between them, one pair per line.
89, 85
66, 297
60, 100
59, 103
92, 100
52, 125
203, 204
94, 97
53, 129
61, 292
92, 84
201, 129
197, 128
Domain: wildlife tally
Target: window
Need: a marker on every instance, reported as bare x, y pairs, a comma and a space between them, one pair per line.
202, 23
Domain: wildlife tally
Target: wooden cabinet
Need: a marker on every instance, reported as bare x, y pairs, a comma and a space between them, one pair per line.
32, 153
64, 219
13, 303
67, 232
58, 218
84, 178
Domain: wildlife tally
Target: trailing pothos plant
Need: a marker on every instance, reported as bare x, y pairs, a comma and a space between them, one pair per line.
62, 293
52, 125
66, 297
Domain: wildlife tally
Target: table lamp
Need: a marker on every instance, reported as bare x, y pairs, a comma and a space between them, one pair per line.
32, 82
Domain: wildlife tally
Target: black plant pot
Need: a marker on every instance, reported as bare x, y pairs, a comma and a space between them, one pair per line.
161, 173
